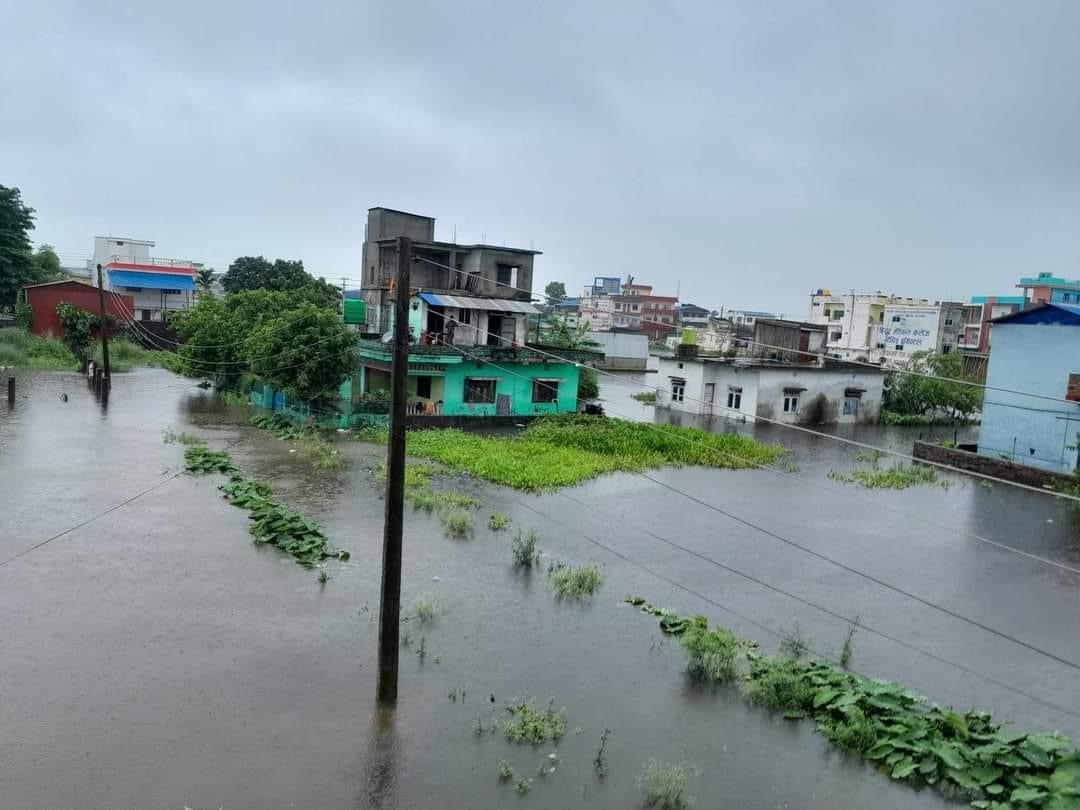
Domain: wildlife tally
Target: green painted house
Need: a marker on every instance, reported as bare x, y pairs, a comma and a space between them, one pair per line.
477, 380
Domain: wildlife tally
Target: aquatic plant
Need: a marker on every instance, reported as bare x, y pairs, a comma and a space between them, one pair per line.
524, 549
199, 459
569, 582
426, 610
458, 524
324, 576
846, 651
899, 476
530, 724
664, 785
498, 521
505, 771
710, 653
566, 449
793, 644
523, 785
169, 436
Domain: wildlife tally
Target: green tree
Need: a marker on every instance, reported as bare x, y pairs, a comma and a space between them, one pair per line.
930, 391
204, 278
306, 352
257, 272
78, 325
560, 333
16, 258
555, 291
45, 265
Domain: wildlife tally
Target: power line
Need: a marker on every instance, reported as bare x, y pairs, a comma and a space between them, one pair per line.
817, 433
837, 563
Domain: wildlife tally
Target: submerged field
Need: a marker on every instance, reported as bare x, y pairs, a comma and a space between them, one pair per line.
559, 451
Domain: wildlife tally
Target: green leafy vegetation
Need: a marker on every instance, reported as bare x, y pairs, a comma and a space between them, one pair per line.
426, 610
198, 459
125, 355
311, 444
524, 549
530, 724
569, 582
710, 653
846, 651
588, 386
21, 264
21, 349
458, 524
899, 476
563, 450
929, 394
664, 785
506, 773
793, 644
498, 521
648, 397
78, 325
234, 398
170, 436
901, 732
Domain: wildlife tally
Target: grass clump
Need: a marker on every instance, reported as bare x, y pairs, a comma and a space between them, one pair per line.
664, 785
648, 397
426, 610
21, 349
846, 650
321, 453
899, 476
524, 549
530, 724
235, 398
458, 524
506, 773
778, 685
169, 436
710, 653
793, 644
566, 449
125, 355
498, 521
569, 582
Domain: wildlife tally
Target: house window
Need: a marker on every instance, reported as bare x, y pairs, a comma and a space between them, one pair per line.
506, 275
791, 401
899, 347
734, 397
948, 321
835, 336
480, 390
710, 393
896, 319
423, 387
946, 348
678, 390
835, 314
881, 345
635, 307
851, 406
545, 391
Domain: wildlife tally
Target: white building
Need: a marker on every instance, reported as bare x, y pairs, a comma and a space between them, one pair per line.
746, 389
157, 285
596, 310
746, 318
877, 327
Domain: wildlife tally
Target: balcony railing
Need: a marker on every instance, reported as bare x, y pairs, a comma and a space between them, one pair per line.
152, 261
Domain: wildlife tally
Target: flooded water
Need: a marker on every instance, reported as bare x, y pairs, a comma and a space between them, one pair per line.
153, 657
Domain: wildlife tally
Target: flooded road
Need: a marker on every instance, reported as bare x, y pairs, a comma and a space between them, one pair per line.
153, 657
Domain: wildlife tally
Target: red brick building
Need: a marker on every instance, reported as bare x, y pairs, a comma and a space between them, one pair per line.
44, 298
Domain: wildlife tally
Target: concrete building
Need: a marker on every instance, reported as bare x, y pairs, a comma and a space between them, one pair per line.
877, 327
604, 285
623, 351
1046, 288
974, 337
746, 389
473, 273
744, 319
156, 285
637, 308
596, 311
566, 309
1037, 351
693, 316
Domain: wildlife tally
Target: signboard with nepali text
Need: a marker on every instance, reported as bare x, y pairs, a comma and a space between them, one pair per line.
906, 330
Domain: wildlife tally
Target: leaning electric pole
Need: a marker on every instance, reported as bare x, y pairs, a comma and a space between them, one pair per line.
390, 602
106, 381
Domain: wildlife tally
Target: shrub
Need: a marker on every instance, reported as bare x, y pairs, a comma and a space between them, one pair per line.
664, 785
777, 684
498, 521
458, 523
529, 724
710, 653
524, 549
574, 583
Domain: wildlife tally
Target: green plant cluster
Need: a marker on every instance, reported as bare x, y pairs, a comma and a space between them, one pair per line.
524, 549
422, 495
648, 397
21, 349
563, 450
530, 724
78, 325
310, 442
277, 525
901, 732
899, 476
199, 459
497, 522
458, 523
664, 785
569, 582
670, 622
125, 355
170, 436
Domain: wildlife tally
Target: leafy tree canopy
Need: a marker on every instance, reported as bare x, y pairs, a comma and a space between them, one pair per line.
257, 272
16, 263
912, 394
555, 291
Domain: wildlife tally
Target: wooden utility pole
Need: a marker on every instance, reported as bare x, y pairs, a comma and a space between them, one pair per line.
390, 603
106, 382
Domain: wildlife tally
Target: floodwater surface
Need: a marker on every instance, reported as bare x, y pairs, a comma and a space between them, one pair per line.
153, 657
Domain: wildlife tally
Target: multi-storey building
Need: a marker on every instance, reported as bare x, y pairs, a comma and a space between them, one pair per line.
1046, 288
156, 285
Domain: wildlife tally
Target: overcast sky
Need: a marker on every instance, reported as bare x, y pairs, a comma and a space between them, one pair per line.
744, 152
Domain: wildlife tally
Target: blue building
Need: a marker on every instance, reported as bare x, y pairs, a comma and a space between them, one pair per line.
1036, 351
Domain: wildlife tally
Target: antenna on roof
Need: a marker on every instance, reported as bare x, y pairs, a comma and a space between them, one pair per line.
455, 233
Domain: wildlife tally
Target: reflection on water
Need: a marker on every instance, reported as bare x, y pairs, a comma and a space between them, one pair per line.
381, 761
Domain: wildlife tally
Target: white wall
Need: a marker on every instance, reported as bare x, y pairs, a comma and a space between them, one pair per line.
1036, 358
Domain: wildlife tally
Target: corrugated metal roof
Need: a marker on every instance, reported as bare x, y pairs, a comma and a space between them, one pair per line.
151, 281
492, 304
